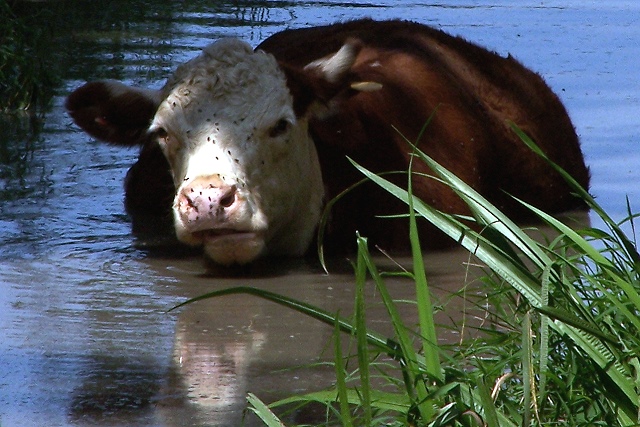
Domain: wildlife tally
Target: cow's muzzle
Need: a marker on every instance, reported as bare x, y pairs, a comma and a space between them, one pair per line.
212, 213
206, 205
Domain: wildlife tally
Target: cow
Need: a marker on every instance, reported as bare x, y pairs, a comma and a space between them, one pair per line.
246, 146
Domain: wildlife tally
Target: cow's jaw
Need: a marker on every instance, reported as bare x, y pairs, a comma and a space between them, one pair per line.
234, 248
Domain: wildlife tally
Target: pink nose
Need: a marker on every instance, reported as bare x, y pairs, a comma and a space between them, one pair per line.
206, 203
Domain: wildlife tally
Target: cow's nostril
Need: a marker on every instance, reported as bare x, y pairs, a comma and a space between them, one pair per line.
227, 201
229, 198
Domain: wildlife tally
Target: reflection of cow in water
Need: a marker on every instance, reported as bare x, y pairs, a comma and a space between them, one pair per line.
255, 142
256, 346
209, 378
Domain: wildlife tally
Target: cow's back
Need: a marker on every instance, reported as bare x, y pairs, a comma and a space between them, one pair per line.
472, 94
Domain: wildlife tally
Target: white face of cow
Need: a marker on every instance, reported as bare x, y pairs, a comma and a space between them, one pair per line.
246, 171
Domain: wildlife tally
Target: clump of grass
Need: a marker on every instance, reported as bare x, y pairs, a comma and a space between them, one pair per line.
26, 81
566, 352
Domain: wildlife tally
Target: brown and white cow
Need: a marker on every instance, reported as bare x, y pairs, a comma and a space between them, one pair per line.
247, 146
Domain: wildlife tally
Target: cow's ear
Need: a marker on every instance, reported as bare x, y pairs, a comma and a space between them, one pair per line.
113, 112
322, 82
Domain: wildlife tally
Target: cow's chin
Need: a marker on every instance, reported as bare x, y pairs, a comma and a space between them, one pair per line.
233, 248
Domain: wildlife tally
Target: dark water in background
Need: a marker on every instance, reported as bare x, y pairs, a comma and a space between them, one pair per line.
85, 336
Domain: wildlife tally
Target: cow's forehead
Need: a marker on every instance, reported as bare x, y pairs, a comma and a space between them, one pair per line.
227, 81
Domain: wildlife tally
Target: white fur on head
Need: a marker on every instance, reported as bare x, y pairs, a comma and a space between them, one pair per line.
228, 114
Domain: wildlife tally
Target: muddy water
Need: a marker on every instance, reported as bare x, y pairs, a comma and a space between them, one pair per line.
86, 339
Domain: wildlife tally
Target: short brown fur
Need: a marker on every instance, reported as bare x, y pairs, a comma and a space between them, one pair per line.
471, 92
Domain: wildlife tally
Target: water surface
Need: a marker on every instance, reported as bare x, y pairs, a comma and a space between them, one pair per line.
86, 336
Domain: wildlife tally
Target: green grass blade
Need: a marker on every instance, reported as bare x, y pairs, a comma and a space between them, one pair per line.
263, 412
488, 406
361, 335
412, 369
326, 215
612, 271
527, 369
341, 384
628, 246
503, 229
544, 337
570, 319
430, 348
381, 400
622, 389
324, 219
582, 244
380, 342
513, 272
518, 277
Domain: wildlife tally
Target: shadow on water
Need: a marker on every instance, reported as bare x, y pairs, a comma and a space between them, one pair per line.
116, 388
87, 339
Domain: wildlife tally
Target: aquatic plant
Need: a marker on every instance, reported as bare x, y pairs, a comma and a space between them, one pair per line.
563, 346
26, 81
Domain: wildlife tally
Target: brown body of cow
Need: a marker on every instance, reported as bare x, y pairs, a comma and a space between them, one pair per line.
472, 93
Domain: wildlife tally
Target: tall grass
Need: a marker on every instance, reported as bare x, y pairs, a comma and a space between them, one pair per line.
27, 80
565, 350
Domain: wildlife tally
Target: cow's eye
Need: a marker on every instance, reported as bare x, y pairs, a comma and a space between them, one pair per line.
160, 133
279, 128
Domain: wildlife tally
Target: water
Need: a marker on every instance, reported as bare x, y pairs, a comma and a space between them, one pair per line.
86, 339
